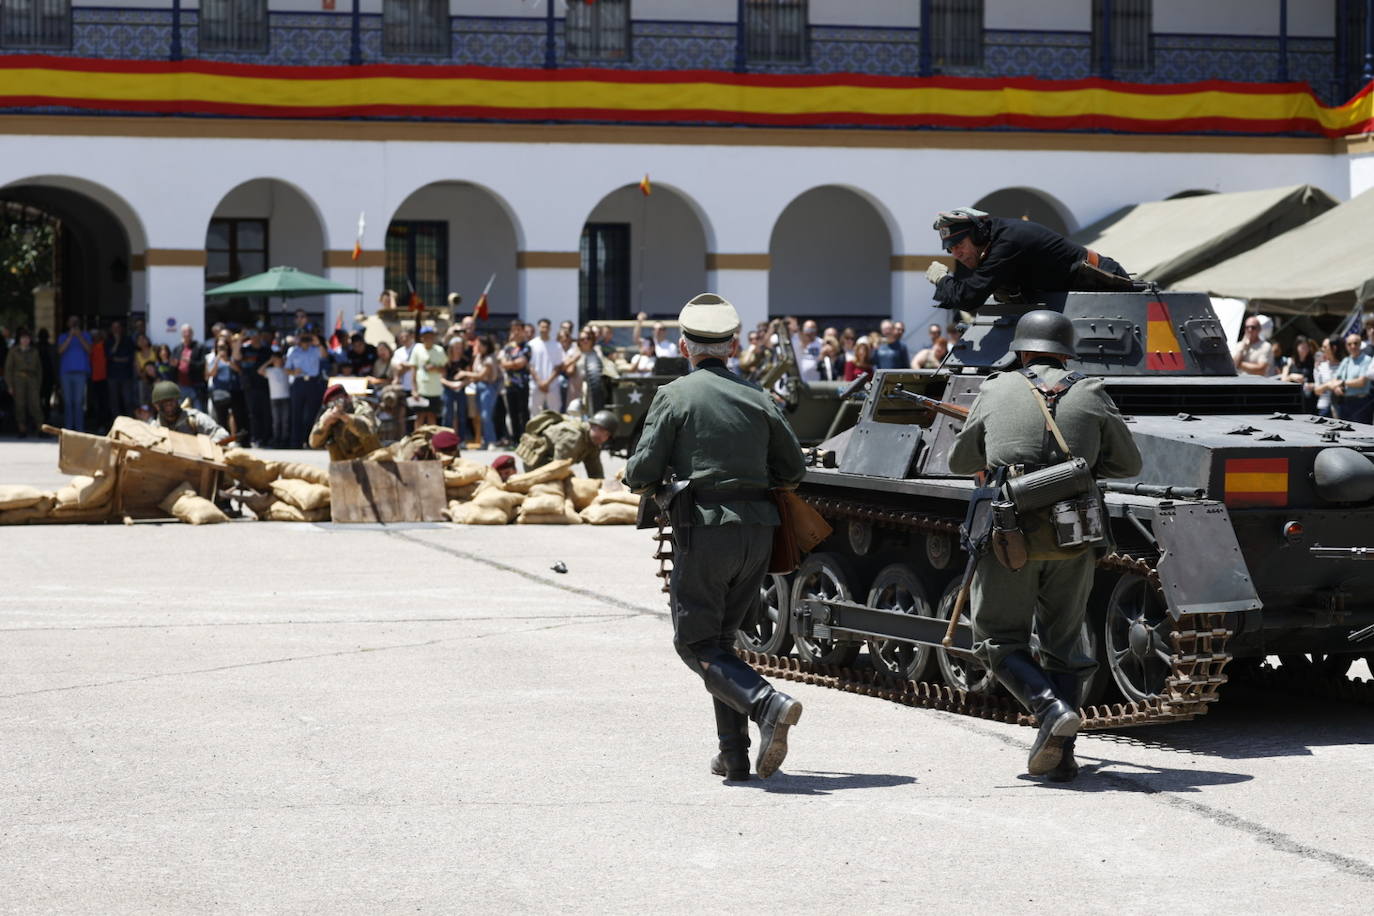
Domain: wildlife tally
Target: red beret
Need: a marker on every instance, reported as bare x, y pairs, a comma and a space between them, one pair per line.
505, 461
333, 391
444, 440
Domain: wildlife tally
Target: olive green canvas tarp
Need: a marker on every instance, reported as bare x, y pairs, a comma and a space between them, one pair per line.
1325, 266
1164, 240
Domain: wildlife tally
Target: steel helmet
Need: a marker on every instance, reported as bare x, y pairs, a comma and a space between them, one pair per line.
1044, 331
165, 391
605, 419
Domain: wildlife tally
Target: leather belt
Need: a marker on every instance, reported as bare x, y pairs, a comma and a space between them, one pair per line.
731, 495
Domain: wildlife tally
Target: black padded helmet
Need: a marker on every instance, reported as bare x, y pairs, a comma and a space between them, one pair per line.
1044, 331
953, 225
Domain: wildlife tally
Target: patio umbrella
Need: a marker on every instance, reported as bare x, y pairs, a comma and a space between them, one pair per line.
286, 282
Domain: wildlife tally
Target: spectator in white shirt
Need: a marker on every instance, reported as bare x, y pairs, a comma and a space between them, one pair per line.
546, 357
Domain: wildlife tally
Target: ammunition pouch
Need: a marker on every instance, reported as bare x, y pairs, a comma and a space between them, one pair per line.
671, 499
1070, 493
1008, 541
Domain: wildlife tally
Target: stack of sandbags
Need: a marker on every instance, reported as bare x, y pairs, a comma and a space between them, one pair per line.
612, 507
462, 478
20, 505
492, 504
256, 473
583, 490
554, 470
297, 470
303, 494
85, 499
549, 503
185, 504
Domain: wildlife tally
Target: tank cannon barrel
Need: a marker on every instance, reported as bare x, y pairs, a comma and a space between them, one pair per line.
1158, 491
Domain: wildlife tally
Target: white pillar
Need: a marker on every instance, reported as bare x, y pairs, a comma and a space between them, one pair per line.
176, 296
743, 279
548, 292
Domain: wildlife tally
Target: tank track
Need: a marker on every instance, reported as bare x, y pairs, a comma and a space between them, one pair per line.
1198, 643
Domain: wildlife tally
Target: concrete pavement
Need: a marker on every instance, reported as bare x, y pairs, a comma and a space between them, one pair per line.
309, 718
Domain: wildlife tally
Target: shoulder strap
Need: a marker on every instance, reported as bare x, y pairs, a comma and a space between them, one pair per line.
1040, 399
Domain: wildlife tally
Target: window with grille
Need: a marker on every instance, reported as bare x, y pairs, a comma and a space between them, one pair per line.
417, 260
1130, 34
415, 27
1350, 39
36, 23
233, 25
956, 33
774, 31
604, 281
234, 249
598, 31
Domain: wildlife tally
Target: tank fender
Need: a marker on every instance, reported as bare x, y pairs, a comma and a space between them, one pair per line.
1201, 567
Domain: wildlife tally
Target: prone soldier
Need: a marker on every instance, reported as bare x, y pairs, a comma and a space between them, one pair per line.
345, 426
730, 443
1035, 422
169, 414
549, 437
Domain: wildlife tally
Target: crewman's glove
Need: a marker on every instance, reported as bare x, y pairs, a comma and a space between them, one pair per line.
936, 271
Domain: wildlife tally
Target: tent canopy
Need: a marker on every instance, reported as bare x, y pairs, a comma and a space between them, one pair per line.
1163, 240
1325, 266
286, 282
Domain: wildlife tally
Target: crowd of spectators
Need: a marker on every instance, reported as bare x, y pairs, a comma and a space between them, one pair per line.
846, 355
1336, 372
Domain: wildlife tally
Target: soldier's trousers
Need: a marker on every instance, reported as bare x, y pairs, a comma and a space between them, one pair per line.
1051, 593
28, 415
715, 590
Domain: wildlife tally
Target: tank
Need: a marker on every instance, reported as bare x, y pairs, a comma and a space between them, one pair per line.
1246, 535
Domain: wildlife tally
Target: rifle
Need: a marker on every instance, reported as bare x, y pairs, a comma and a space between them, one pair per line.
954, 411
974, 534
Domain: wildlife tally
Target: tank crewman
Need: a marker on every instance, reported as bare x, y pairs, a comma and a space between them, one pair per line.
169, 414
730, 439
345, 426
1015, 260
577, 439
1007, 427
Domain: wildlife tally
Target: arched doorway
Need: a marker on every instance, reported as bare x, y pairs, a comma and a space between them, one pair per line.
259, 224
831, 260
67, 247
641, 253
1029, 204
454, 236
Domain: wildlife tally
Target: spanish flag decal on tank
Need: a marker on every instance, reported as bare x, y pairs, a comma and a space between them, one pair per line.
1256, 482
1162, 352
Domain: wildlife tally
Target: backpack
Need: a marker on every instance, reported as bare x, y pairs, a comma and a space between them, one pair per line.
535, 448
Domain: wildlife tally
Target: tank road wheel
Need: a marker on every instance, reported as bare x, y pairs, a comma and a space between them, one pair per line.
1136, 639
1320, 664
826, 576
771, 633
897, 588
959, 672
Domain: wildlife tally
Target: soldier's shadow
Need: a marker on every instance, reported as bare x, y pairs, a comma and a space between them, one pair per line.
1099, 774
820, 782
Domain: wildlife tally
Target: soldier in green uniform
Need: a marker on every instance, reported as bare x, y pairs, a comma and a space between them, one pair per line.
731, 441
345, 426
1007, 427
169, 414
571, 437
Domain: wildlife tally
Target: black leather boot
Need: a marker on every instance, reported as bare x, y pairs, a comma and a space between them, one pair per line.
733, 730
1058, 720
1067, 688
740, 687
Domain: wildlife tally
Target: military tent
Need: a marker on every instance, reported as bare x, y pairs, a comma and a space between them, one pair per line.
1163, 240
1325, 266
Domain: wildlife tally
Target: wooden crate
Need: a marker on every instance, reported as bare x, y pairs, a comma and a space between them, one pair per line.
386, 491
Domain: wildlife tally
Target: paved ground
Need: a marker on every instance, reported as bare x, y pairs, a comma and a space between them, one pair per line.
298, 718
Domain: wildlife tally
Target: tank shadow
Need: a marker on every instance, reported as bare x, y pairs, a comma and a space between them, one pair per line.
813, 782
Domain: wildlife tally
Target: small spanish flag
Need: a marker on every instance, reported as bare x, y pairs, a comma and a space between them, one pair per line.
1256, 481
413, 300
358, 242
1162, 352
480, 310
644, 187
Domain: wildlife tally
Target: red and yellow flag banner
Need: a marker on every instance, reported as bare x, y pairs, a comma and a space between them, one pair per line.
197, 87
1256, 482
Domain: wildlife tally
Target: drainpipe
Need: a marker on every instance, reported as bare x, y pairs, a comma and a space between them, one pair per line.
1283, 41
355, 37
741, 59
927, 64
550, 50
176, 30
1105, 64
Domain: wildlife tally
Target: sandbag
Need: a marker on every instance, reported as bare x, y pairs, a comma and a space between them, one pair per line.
551, 488
582, 490
86, 492
543, 504
302, 494
186, 505
18, 496
554, 470
280, 511
567, 516
620, 497
25, 514
463, 472
474, 514
462, 494
488, 495
296, 470
609, 513
256, 472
